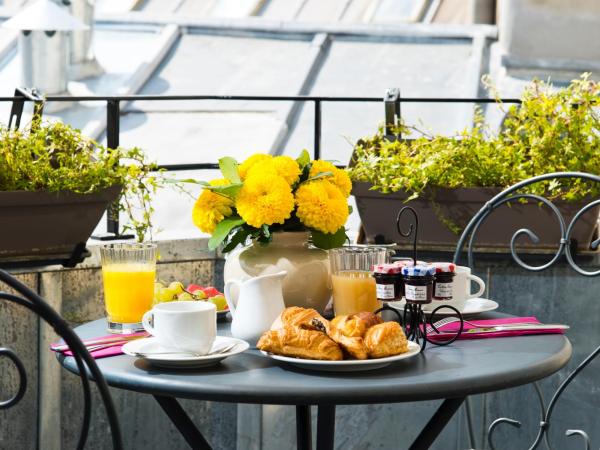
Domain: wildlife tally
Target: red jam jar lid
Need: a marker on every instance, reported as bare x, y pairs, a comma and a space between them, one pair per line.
441, 267
390, 269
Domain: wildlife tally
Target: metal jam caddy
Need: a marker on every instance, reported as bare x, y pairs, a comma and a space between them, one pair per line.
418, 283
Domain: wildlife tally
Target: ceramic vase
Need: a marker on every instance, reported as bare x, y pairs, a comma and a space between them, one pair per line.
307, 282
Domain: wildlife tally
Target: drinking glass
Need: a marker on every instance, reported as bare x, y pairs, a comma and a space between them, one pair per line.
354, 288
128, 272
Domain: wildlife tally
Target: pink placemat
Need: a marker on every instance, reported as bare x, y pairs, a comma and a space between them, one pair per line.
113, 350
490, 323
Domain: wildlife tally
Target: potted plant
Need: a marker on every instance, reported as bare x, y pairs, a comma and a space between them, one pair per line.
55, 184
448, 179
291, 211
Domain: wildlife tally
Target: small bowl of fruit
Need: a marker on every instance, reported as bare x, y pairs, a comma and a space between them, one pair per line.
193, 292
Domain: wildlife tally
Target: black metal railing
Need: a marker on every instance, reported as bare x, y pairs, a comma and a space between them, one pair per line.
113, 115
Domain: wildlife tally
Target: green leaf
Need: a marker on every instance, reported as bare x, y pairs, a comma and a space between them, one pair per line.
229, 169
265, 231
327, 241
320, 175
231, 190
222, 230
304, 159
239, 237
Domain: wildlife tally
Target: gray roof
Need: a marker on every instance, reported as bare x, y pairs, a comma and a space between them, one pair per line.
180, 47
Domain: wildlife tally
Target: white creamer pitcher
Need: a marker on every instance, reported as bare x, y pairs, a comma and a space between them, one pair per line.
259, 303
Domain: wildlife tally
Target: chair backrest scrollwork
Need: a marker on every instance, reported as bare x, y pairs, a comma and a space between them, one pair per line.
515, 193
85, 363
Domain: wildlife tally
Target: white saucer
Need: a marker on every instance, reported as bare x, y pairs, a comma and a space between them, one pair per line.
473, 306
348, 365
182, 361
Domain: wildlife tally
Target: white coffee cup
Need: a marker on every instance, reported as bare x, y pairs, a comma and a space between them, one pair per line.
461, 285
461, 289
187, 325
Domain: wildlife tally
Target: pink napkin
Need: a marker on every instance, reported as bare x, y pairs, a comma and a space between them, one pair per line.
114, 349
490, 323
103, 353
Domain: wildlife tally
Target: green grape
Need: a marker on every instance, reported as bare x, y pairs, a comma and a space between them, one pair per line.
199, 294
185, 296
176, 287
219, 302
164, 295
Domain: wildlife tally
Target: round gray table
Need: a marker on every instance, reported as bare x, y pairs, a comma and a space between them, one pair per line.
453, 372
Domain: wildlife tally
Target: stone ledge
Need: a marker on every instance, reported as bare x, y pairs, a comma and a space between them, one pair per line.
171, 251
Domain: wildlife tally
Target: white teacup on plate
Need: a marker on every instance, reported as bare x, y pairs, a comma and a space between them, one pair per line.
189, 326
461, 289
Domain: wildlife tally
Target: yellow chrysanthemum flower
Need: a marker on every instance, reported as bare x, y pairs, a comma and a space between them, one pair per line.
321, 205
339, 177
250, 162
211, 208
265, 199
284, 166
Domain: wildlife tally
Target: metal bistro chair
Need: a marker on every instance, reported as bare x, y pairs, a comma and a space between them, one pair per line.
468, 238
35, 303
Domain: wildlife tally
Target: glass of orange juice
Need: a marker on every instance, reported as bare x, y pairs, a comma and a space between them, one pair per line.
354, 288
128, 272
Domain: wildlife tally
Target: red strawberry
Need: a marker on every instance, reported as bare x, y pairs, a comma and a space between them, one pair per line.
211, 291
193, 288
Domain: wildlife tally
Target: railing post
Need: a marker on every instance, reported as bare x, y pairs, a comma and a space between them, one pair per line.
112, 141
317, 149
16, 111
392, 113
113, 119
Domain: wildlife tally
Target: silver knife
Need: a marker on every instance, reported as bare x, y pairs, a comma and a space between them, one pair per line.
509, 327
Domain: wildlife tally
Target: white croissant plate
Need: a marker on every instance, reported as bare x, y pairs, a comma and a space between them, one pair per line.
347, 365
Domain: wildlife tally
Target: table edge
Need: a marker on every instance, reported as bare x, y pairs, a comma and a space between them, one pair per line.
380, 396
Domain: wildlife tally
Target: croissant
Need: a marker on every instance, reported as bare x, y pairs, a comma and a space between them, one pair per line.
306, 318
354, 346
300, 343
369, 318
385, 339
355, 325
348, 333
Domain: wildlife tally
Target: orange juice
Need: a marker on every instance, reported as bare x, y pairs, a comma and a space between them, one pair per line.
354, 291
128, 291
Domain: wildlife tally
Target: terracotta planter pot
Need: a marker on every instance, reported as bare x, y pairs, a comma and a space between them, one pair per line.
378, 214
48, 225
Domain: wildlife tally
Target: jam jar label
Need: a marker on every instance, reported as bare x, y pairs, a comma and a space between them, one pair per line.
385, 291
443, 291
415, 293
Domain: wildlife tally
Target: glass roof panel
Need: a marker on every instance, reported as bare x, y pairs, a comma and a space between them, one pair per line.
419, 68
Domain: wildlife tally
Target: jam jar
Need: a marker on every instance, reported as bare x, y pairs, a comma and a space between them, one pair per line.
442, 281
418, 283
404, 262
388, 282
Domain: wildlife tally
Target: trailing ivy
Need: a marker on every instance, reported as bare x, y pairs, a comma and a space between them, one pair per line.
551, 131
